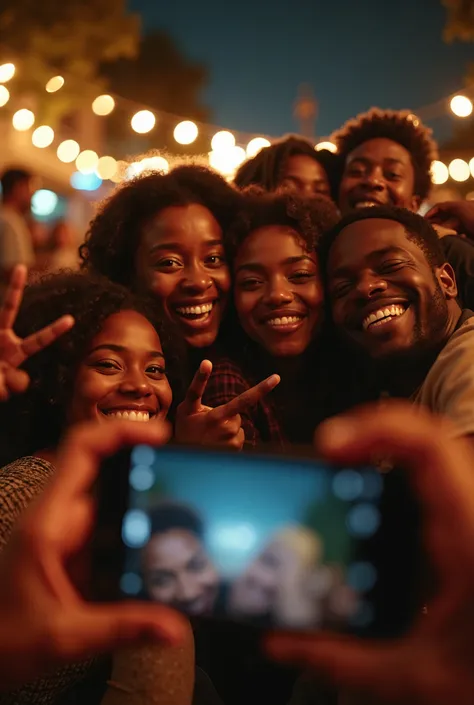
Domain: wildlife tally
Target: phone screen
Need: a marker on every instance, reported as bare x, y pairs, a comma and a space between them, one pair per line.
276, 542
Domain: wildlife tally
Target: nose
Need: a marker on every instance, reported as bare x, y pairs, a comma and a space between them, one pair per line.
196, 279
187, 589
277, 293
374, 179
136, 384
369, 285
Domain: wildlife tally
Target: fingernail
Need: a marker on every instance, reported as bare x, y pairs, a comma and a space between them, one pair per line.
335, 433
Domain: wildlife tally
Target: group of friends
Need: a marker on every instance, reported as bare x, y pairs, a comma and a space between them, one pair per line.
246, 314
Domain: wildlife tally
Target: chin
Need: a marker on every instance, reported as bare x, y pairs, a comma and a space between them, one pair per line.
203, 340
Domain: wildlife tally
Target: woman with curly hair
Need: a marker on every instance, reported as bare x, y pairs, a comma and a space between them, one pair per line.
278, 314
165, 234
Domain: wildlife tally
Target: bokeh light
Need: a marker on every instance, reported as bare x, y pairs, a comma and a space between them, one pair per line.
55, 84
223, 141
186, 132
4, 96
23, 120
103, 105
459, 170
329, 146
7, 71
106, 167
87, 161
120, 172
143, 122
461, 106
227, 161
439, 173
43, 136
256, 145
471, 167
68, 151
85, 182
44, 203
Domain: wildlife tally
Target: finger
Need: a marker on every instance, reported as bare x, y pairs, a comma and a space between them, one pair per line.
16, 381
434, 212
441, 466
13, 296
192, 400
247, 399
46, 336
229, 428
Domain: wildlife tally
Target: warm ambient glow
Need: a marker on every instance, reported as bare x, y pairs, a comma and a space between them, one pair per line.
461, 106
68, 151
87, 161
459, 170
106, 167
103, 105
186, 132
4, 96
23, 119
7, 71
222, 141
143, 122
43, 136
256, 145
226, 162
471, 167
329, 146
54, 84
148, 164
439, 173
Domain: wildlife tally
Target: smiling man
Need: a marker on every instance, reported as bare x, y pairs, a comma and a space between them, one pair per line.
393, 298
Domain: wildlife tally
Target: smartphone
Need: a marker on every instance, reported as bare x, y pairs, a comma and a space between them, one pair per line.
279, 542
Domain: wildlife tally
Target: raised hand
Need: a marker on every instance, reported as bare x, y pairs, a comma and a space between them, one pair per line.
454, 215
14, 350
222, 426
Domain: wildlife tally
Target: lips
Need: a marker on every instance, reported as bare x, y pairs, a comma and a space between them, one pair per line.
129, 414
383, 315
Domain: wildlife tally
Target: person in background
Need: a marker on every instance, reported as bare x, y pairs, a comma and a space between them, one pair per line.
16, 246
387, 157
64, 248
291, 164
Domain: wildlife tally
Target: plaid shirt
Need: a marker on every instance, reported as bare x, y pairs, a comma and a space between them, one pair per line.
261, 424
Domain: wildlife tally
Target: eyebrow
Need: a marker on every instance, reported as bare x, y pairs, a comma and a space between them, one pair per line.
295, 177
376, 254
123, 349
166, 246
367, 160
256, 267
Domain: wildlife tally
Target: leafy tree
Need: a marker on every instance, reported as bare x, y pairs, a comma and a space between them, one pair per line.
459, 21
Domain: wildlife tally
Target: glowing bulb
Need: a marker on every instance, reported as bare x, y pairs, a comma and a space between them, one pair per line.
155, 164
7, 71
4, 96
23, 119
143, 121
106, 167
103, 105
439, 173
87, 161
68, 151
226, 162
459, 170
186, 132
329, 146
120, 172
461, 106
223, 141
44, 202
471, 167
256, 145
43, 136
133, 169
54, 84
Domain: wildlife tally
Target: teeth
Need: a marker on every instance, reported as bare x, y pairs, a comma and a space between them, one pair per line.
195, 310
383, 314
366, 204
284, 321
129, 415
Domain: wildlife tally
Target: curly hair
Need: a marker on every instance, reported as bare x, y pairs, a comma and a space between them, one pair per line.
267, 168
115, 232
36, 419
309, 217
400, 126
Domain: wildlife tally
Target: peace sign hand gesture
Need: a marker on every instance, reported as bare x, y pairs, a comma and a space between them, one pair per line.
222, 426
13, 350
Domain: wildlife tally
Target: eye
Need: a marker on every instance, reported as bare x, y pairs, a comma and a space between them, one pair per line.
354, 171
302, 276
215, 260
249, 284
168, 263
157, 371
340, 289
392, 176
392, 266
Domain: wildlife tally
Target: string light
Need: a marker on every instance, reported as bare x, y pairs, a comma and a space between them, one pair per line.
471, 167
23, 119
120, 173
4, 96
55, 84
68, 151
106, 167
143, 122
227, 161
223, 141
256, 145
7, 71
439, 173
329, 146
103, 105
185, 132
461, 106
43, 136
155, 164
459, 170
87, 161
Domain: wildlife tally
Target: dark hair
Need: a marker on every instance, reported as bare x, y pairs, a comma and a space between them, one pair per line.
11, 177
417, 229
267, 168
309, 217
170, 515
36, 419
400, 126
114, 234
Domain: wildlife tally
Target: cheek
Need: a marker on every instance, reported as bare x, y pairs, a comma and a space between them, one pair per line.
313, 297
89, 389
245, 302
162, 286
164, 395
222, 280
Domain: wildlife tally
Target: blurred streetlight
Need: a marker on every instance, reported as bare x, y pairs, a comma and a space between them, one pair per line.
256, 145
223, 141
329, 146
23, 119
439, 173
461, 106
186, 132
106, 168
7, 71
87, 161
4, 96
43, 136
68, 151
103, 105
459, 170
54, 84
143, 122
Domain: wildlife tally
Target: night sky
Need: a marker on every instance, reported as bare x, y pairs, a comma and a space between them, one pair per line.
355, 53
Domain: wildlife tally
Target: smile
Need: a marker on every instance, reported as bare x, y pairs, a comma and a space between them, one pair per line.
383, 316
283, 321
128, 415
196, 313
